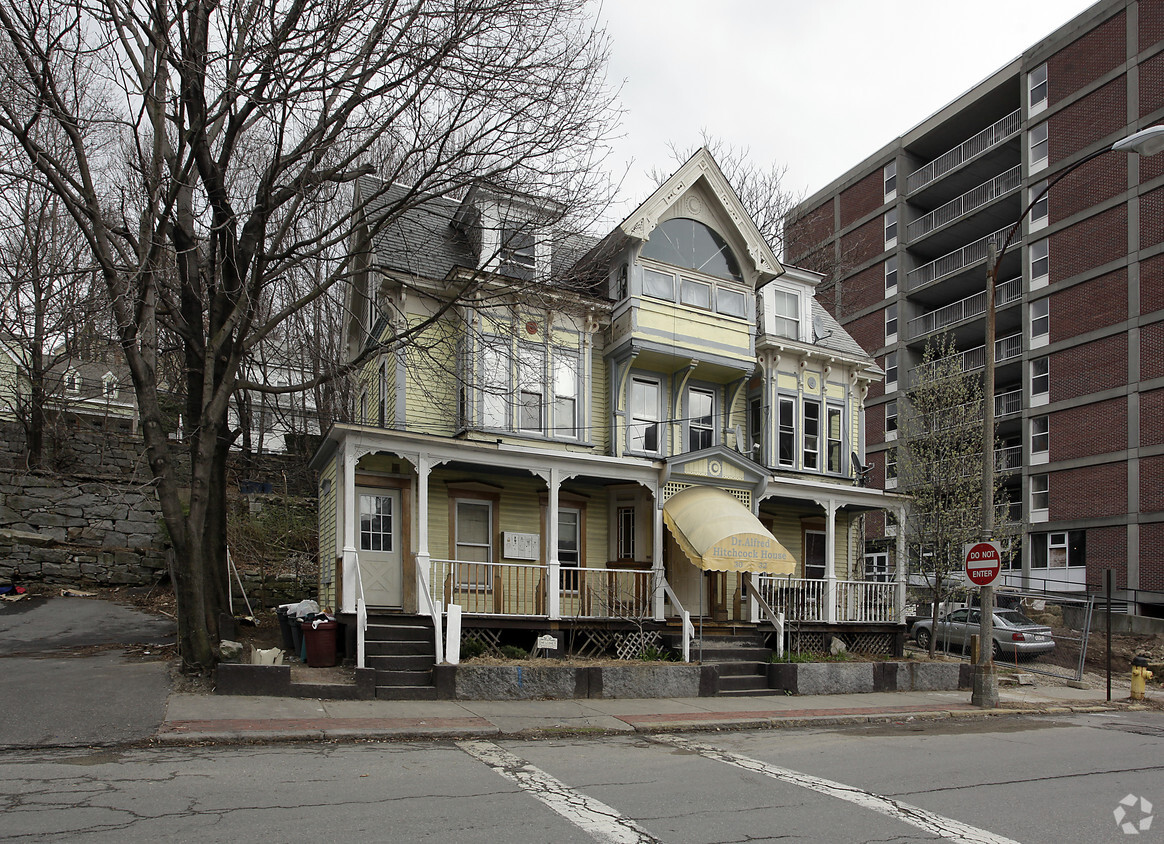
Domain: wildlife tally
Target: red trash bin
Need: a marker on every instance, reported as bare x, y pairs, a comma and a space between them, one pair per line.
320, 642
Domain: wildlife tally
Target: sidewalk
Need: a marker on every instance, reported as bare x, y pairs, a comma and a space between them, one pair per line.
200, 718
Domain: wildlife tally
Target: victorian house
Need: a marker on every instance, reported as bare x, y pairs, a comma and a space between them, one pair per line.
617, 442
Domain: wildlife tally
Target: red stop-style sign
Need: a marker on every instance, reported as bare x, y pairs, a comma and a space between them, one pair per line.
983, 562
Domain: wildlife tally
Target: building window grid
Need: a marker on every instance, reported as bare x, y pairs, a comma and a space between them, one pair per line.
1040, 376
1039, 139
890, 275
1040, 434
1040, 205
1040, 492
890, 176
1037, 89
1040, 318
890, 371
891, 417
1040, 261
891, 322
890, 228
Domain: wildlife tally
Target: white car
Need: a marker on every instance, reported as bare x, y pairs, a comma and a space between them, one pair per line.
1014, 634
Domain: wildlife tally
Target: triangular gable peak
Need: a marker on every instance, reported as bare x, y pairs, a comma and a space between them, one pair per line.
699, 190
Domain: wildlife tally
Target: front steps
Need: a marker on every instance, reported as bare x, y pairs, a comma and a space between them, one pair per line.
739, 655
400, 649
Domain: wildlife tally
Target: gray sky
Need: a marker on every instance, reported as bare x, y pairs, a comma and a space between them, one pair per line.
811, 84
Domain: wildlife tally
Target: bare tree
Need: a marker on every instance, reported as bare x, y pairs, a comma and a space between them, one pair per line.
939, 465
760, 187
210, 152
46, 305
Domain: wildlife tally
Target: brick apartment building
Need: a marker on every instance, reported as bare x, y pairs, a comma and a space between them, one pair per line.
1079, 390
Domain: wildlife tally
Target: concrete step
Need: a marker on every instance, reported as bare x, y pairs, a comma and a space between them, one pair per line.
385, 632
742, 683
740, 669
765, 692
725, 653
403, 677
400, 663
406, 693
384, 648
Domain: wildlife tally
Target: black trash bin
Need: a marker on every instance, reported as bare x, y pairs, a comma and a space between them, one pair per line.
286, 628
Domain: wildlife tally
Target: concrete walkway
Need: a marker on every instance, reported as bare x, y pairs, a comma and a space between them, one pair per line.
200, 718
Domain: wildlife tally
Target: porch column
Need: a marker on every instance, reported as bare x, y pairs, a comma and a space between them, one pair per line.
831, 561
901, 567
657, 556
351, 512
553, 565
423, 563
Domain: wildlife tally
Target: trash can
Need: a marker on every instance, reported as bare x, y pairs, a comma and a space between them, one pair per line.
285, 628
319, 638
296, 630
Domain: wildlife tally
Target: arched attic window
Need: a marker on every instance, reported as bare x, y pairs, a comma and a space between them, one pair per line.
687, 243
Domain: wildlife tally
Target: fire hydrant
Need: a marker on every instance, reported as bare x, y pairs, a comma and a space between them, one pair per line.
1140, 676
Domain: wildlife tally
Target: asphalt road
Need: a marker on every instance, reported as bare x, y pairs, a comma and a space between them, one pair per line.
65, 679
1037, 780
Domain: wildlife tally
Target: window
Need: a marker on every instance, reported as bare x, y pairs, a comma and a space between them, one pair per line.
890, 274
626, 533
891, 467
1040, 492
516, 380
786, 307
755, 427
1040, 435
891, 323
1040, 319
695, 293
1040, 376
473, 543
811, 435
687, 243
364, 407
566, 395
890, 371
531, 386
835, 443
73, 381
1040, 260
642, 434
1059, 549
376, 523
700, 418
495, 390
518, 258
890, 228
1040, 204
569, 547
731, 302
657, 284
1037, 89
787, 421
877, 568
383, 393
814, 555
109, 385
1038, 138
891, 419
890, 175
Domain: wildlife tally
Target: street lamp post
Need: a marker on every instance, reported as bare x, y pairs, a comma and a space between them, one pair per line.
985, 682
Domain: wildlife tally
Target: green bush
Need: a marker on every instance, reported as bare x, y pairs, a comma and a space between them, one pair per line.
514, 652
472, 648
653, 654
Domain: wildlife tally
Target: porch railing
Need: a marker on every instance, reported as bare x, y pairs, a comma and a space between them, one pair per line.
856, 601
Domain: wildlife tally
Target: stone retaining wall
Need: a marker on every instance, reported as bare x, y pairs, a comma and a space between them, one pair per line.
846, 678
566, 682
70, 530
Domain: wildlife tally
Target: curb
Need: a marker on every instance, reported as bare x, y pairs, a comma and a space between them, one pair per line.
204, 733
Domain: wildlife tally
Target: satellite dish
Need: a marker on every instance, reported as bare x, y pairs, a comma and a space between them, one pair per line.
818, 329
740, 444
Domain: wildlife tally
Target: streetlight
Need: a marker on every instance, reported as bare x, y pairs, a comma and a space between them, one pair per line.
985, 683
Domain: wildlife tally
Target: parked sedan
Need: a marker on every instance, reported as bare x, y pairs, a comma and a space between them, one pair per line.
1014, 634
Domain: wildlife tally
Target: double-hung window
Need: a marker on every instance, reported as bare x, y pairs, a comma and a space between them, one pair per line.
814, 555
890, 175
531, 385
383, 385
812, 435
473, 543
834, 433
891, 323
566, 395
1039, 139
1040, 321
1037, 89
495, 388
890, 228
1040, 492
891, 419
518, 256
890, 274
1040, 205
569, 547
785, 306
642, 433
1040, 260
1040, 438
1040, 380
787, 421
700, 418
890, 371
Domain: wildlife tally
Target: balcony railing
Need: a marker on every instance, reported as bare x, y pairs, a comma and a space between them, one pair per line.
971, 306
1007, 403
970, 201
1005, 348
989, 137
952, 262
1008, 457
855, 601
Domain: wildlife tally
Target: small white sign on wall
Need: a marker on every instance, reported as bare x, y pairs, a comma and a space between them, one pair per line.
521, 546
547, 642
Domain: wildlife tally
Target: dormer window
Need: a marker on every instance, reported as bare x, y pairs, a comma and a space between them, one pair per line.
518, 253
786, 310
72, 381
109, 385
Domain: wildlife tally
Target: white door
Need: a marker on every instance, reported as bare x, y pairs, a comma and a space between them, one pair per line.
380, 546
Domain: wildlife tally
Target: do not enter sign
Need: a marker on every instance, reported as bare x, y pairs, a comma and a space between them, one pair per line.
983, 562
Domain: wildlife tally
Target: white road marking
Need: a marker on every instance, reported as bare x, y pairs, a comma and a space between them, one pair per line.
591, 815
947, 828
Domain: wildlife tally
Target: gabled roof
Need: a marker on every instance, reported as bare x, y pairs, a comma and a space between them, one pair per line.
702, 165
